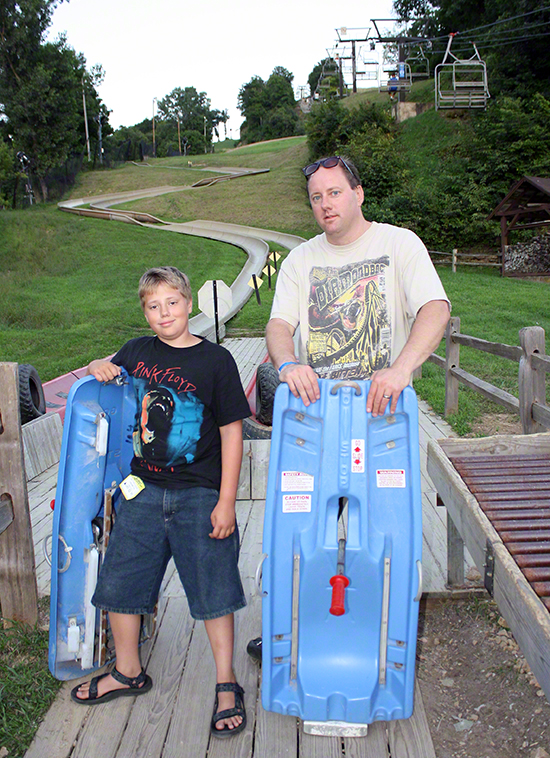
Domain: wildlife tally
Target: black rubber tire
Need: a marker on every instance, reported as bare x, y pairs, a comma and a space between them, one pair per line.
267, 381
32, 402
252, 430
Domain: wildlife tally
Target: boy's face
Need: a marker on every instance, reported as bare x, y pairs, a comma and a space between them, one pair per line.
167, 312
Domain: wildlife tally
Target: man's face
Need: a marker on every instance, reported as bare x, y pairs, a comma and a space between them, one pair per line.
336, 206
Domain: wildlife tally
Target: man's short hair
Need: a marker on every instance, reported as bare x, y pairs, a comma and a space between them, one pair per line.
168, 275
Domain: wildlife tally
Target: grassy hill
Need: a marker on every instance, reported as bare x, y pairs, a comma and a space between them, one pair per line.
68, 284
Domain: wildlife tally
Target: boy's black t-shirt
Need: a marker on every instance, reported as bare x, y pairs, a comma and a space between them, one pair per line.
183, 396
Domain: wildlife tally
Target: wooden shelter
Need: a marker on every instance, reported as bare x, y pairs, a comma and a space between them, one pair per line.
526, 206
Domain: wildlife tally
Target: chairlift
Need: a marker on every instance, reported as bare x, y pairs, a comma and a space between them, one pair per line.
372, 66
396, 79
419, 64
461, 83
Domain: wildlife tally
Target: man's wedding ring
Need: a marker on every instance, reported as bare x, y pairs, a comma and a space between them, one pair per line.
387, 396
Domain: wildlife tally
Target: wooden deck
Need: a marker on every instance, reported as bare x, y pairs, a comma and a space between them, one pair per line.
173, 719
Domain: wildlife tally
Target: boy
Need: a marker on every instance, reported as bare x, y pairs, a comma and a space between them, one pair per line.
187, 456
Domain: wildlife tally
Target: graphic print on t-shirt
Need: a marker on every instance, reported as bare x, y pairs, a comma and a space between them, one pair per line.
168, 425
349, 326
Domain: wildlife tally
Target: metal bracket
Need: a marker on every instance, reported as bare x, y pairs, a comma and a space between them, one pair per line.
489, 567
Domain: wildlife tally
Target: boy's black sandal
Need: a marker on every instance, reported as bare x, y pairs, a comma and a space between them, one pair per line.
139, 685
238, 710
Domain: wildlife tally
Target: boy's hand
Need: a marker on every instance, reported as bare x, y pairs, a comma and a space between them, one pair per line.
104, 371
223, 520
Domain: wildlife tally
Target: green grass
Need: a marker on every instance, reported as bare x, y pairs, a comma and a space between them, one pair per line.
70, 283
495, 309
26, 687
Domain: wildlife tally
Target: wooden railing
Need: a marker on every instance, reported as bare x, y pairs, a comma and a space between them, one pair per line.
533, 362
455, 258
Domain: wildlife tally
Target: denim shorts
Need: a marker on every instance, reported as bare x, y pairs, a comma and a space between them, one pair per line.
151, 528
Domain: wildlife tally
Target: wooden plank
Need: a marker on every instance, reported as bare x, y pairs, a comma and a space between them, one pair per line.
244, 486
42, 443
150, 717
486, 389
526, 615
276, 735
512, 352
501, 444
374, 745
411, 738
260, 466
319, 747
60, 728
18, 591
455, 554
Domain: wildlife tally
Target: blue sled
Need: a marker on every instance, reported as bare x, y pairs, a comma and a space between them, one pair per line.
358, 666
95, 457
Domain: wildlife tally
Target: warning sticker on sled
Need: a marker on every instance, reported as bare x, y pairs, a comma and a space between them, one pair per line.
390, 477
296, 503
296, 481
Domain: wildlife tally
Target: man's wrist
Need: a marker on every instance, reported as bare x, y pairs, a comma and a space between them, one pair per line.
288, 363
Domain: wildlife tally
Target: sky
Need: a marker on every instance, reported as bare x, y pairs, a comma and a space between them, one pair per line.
147, 49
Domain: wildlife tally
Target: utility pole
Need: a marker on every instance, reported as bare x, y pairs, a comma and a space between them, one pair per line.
99, 118
86, 122
179, 133
154, 144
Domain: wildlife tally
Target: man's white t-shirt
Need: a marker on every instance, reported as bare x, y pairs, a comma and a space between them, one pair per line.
355, 304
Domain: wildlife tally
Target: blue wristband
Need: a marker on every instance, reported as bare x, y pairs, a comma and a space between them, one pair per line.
288, 363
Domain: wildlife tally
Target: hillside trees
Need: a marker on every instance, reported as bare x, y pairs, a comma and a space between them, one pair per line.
197, 120
41, 88
269, 107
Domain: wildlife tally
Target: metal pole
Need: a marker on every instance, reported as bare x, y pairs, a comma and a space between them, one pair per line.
353, 66
179, 133
216, 321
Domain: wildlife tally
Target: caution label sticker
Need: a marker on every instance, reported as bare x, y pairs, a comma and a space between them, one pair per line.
296, 503
391, 477
357, 456
296, 481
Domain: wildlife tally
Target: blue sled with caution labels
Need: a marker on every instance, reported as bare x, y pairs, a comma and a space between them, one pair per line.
95, 457
342, 572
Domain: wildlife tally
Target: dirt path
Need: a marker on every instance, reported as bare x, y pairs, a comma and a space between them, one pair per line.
481, 699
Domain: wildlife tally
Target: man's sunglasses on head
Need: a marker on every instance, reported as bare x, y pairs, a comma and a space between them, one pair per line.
331, 162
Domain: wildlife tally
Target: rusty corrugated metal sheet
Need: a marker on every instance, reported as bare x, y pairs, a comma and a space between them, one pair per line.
514, 494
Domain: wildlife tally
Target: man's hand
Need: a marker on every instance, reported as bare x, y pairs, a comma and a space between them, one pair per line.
302, 382
104, 371
386, 385
223, 521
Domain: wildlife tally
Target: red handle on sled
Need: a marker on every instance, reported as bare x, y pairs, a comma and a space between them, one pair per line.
339, 584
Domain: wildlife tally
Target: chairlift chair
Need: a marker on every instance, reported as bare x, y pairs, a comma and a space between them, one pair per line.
392, 84
461, 83
419, 65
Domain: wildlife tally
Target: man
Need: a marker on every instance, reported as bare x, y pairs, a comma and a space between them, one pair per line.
353, 292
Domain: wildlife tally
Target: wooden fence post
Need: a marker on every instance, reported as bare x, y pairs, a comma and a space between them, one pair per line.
18, 592
532, 383
452, 360
453, 260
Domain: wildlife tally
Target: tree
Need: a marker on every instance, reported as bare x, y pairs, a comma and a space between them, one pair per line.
41, 87
195, 116
269, 107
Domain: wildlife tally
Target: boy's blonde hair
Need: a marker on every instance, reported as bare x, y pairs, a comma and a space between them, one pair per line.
168, 275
